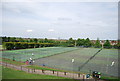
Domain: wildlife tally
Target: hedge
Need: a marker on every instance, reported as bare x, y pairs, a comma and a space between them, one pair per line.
24, 45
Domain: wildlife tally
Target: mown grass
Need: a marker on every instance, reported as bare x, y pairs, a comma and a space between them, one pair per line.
51, 69
16, 74
110, 78
12, 62
1, 47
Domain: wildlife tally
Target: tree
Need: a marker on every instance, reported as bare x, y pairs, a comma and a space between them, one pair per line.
80, 42
21, 40
41, 40
9, 45
35, 40
4, 39
12, 39
8, 39
107, 44
18, 45
25, 45
88, 43
46, 40
31, 40
71, 42
97, 44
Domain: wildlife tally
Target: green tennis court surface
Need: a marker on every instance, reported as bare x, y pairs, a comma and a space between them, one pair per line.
101, 62
25, 54
61, 58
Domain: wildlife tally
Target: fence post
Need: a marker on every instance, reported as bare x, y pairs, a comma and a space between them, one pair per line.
34, 70
78, 74
28, 70
21, 67
6, 64
57, 73
53, 71
64, 73
83, 77
42, 71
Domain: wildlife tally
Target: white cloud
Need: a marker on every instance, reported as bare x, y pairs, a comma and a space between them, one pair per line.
63, 17
60, 0
29, 30
51, 30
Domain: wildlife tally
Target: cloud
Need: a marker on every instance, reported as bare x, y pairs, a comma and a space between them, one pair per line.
51, 30
66, 18
29, 30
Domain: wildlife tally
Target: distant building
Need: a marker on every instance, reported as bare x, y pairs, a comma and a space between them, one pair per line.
112, 42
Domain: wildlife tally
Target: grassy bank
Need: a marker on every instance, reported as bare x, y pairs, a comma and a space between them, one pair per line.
12, 62
110, 78
16, 74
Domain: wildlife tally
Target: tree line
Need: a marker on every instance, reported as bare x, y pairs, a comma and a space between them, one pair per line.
23, 43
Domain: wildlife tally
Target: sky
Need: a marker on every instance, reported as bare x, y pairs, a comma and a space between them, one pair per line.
62, 20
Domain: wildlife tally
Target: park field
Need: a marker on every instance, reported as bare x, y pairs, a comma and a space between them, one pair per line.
61, 58
9, 73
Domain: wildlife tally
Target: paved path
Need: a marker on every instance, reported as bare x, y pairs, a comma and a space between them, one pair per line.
47, 72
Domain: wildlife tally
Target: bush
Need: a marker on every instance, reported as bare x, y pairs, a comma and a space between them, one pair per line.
107, 44
9, 45
23, 45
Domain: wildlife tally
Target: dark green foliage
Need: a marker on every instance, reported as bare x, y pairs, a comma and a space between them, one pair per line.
41, 40
8, 39
87, 43
9, 45
35, 40
62, 43
24, 45
70, 42
18, 45
31, 40
31, 45
35, 43
80, 42
21, 40
107, 44
4, 39
12, 39
97, 44
46, 40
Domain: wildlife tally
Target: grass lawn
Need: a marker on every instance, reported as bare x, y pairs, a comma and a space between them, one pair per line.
110, 78
12, 62
1, 47
16, 74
